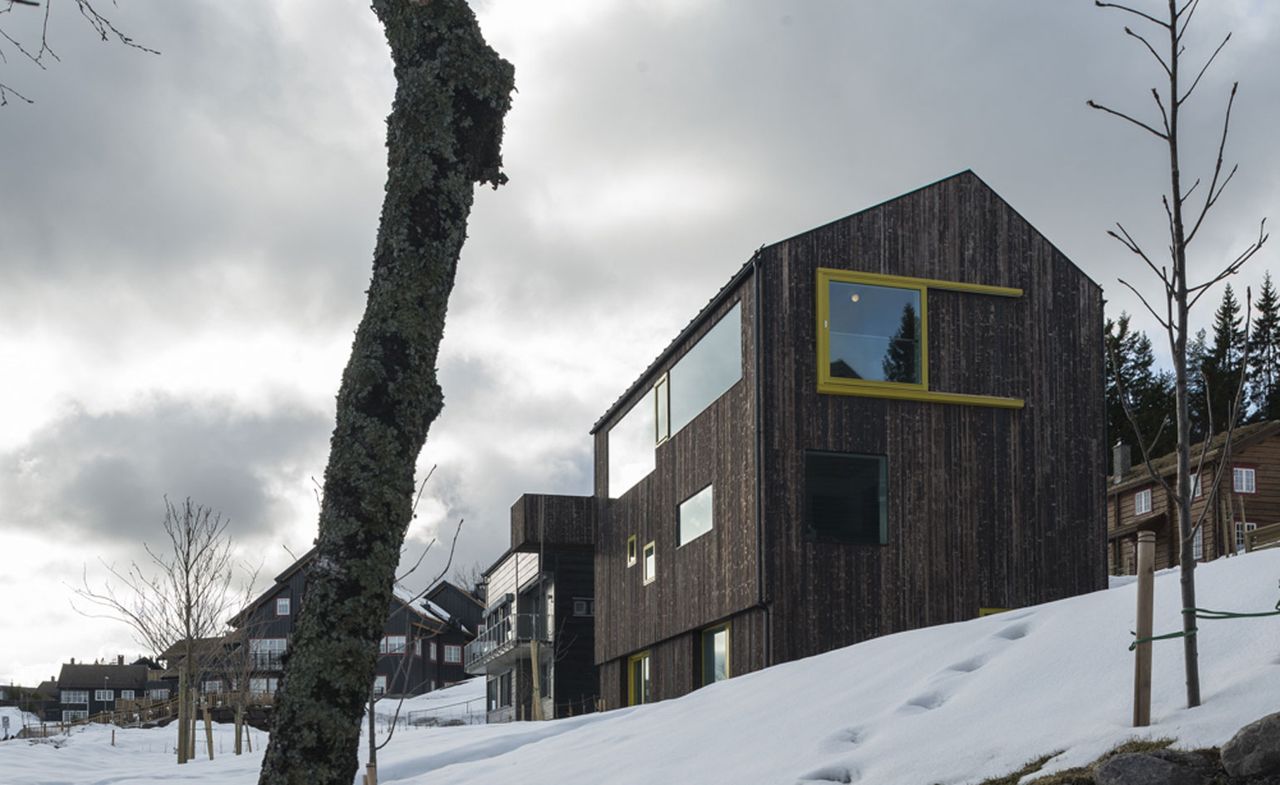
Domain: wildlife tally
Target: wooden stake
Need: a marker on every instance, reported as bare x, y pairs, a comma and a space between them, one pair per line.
1142, 654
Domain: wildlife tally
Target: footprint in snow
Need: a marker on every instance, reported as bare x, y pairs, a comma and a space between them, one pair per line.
843, 739
836, 773
927, 701
1013, 632
967, 666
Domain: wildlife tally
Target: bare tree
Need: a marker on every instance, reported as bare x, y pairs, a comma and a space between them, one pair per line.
37, 50
444, 135
181, 596
1185, 213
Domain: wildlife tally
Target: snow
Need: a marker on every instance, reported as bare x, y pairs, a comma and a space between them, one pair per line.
949, 704
17, 718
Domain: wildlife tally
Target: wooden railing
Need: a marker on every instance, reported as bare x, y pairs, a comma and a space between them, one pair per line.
1262, 537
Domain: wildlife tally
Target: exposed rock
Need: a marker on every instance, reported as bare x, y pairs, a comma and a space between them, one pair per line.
1255, 749
1159, 767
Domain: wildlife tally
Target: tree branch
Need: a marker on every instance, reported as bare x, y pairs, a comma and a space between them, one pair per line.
1135, 12
1095, 105
1207, 63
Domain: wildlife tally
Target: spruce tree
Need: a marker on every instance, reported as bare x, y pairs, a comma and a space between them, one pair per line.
1149, 392
1264, 356
1222, 364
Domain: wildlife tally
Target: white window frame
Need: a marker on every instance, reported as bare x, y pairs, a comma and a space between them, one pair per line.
127, 695
1196, 490
1241, 528
393, 644
452, 653
1244, 479
431, 647
104, 696
1197, 544
1142, 502
650, 560
158, 694
211, 687
282, 606
74, 697
380, 685
71, 715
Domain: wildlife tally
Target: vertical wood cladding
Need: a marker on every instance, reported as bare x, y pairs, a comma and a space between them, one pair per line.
711, 577
551, 520
987, 507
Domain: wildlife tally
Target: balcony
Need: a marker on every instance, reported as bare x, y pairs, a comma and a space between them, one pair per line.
505, 642
267, 660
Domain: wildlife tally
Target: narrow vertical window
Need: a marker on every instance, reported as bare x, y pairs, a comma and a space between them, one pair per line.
662, 410
715, 654
638, 679
282, 606
650, 562
1197, 544
631, 551
1142, 502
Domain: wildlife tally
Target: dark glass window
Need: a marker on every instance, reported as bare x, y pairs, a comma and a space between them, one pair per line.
875, 332
707, 370
846, 497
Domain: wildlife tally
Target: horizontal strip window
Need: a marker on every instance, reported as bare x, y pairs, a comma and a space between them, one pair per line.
873, 337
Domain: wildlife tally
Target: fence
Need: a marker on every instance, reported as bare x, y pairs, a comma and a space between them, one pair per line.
471, 712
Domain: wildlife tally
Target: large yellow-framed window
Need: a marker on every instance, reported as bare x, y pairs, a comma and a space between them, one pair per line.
873, 336
638, 679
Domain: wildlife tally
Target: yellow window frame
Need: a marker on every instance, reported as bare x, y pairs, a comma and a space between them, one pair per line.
631, 551
651, 546
631, 681
898, 390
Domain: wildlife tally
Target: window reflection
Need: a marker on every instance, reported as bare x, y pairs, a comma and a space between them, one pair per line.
710, 368
631, 455
875, 333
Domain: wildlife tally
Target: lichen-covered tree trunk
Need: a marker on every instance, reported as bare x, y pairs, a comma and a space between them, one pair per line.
444, 136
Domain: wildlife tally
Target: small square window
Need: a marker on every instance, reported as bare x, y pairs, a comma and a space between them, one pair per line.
282, 606
650, 562
631, 551
584, 606
846, 497
1245, 480
452, 653
1142, 502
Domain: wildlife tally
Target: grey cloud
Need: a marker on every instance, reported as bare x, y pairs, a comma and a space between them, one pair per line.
102, 476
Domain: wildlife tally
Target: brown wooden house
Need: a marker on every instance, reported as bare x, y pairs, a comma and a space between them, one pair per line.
890, 421
1247, 498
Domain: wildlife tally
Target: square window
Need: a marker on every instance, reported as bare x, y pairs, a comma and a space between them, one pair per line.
695, 515
846, 497
584, 606
1142, 502
631, 551
871, 333
452, 653
650, 562
282, 606
103, 696
1244, 480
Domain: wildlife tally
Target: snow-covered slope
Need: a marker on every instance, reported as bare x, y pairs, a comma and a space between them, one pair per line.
949, 704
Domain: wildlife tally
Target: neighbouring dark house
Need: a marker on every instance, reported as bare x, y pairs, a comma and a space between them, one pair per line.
890, 421
88, 690
536, 644
1245, 508
421, 647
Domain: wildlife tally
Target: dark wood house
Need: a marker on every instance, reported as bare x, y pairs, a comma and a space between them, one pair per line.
890, 421
1247, 499
421, 648
536, 643
88, 690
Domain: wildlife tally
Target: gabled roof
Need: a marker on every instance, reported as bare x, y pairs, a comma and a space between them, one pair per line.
731, 286
80, 676
1167, 465
443, 585
302, 561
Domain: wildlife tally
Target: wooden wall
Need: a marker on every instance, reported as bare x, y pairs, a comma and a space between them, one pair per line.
711, 577
551, 520
987, 507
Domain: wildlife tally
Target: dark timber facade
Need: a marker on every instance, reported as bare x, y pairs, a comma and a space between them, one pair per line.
796, 498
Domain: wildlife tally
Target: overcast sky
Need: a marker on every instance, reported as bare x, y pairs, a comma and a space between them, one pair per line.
185, 239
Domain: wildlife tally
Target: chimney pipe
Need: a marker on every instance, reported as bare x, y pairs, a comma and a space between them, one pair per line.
119, 659
1120, 461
